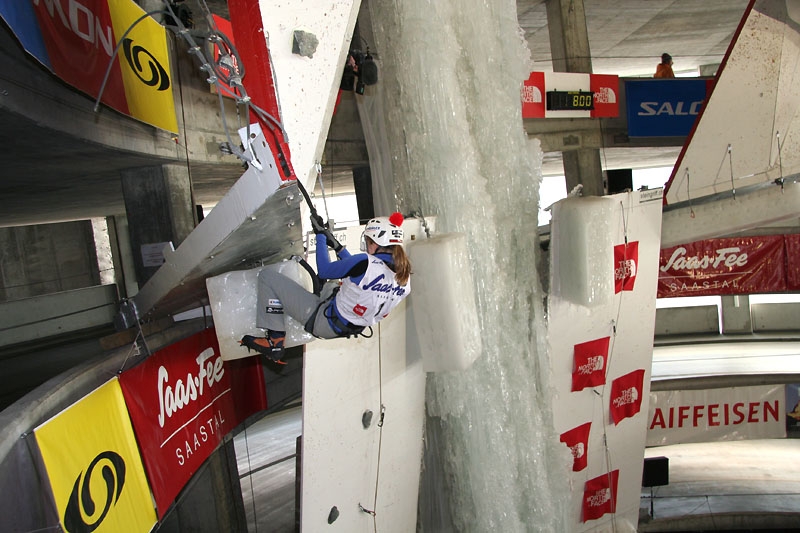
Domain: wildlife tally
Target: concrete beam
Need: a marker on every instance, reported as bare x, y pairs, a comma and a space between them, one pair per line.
703, 319
776, 317
736, 317
58, 313
34, 93
728, 216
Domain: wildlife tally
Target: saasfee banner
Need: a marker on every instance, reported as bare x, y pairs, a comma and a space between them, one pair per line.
792, 243
94, 466
76, 41
183, 400
739, 265
709, 415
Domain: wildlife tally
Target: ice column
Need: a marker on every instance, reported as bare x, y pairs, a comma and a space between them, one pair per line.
450, 79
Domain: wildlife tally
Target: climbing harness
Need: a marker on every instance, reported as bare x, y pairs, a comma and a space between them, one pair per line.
339, 326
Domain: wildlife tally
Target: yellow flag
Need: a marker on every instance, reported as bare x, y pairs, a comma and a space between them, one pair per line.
145, 65
94, 466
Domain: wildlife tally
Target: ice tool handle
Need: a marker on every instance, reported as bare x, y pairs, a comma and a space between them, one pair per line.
316, 221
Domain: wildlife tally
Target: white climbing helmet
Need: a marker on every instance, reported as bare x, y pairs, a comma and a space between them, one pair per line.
384, 231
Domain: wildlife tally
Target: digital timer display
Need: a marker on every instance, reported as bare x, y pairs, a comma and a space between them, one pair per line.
570, 100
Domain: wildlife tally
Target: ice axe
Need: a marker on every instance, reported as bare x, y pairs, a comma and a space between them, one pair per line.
316, 221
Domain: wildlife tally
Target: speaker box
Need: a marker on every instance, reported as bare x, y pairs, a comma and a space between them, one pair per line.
362, 183
619, 180
655, 472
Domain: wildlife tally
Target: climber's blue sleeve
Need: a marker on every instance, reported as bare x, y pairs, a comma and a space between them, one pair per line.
342, 268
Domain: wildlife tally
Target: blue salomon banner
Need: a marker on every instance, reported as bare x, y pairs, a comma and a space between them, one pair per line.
664, 108
21, 19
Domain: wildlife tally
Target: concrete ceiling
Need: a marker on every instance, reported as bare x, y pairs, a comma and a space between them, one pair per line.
51, 175
627, 37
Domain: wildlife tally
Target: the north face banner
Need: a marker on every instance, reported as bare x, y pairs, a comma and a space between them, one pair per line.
626, 263
590, 364
533, 96
605, 88
626, 396
600, 496
577, 440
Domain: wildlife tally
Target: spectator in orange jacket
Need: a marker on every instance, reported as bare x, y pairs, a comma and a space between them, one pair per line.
664, 69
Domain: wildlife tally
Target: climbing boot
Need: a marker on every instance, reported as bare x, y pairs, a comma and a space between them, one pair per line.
271, 345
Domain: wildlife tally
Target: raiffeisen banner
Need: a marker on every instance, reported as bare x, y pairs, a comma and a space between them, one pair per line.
76, 39
733, 413
182, 401
664, 108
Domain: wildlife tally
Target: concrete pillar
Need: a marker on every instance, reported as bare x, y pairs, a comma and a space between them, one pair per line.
583, 167
160, 210
736, 317
569, 39
569, 47
122, 255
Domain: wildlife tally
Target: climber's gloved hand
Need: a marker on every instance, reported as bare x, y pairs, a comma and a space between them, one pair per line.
317, 225
332, 242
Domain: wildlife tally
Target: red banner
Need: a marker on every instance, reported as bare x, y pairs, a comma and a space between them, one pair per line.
182, 401
740, 265
589, 368
600, 496
80, 44
792, 243
577, 440
626, 395
533, 96
606, 95
626, 263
